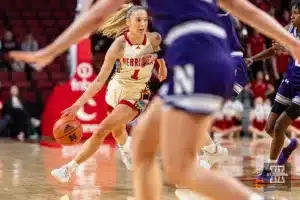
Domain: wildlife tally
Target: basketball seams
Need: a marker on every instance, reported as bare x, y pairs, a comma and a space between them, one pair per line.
64, 124
70, 132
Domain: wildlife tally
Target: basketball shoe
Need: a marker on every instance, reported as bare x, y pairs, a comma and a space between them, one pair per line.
286, 152
62, 174
218, 155
125, 152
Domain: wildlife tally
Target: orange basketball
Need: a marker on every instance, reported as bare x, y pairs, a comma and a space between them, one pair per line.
67, 131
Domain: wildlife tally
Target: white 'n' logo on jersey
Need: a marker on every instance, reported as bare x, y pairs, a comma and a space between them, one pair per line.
184, 79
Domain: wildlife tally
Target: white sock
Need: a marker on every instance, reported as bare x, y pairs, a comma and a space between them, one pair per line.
72, 165
272, 161
255, 196
211, 148
286, 143
126, 145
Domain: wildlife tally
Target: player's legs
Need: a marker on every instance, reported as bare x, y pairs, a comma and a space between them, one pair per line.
120, 134
274, 128
283, 122
282, 102
124, 144
122, 114
181, 134
146, 173
193, 92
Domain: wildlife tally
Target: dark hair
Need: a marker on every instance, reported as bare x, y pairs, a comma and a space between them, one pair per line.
295, 4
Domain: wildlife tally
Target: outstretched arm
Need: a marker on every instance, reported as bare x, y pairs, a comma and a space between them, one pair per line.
115, 52
264, 55
261, 21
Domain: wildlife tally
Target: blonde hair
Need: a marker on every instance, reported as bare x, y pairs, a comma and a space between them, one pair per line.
116, 25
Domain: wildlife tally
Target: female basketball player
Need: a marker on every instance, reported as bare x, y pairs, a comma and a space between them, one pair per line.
286, 107
191, 99
125, 90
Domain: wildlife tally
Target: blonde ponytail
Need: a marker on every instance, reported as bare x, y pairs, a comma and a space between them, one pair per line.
116, 25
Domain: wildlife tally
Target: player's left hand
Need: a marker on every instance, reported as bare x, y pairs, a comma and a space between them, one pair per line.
40, 59
162, 74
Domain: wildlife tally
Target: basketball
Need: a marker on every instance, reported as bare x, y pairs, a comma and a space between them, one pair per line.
67, 131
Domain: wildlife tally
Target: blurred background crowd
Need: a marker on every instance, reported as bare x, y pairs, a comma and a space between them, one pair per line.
29, 26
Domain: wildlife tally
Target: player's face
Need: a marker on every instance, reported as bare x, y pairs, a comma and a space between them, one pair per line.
138, 22
295, 16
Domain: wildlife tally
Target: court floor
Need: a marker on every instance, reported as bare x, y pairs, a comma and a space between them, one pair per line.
25, 172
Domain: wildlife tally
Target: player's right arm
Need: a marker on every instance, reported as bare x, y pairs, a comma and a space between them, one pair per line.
264, 55
268, 53
114, 52
261, 21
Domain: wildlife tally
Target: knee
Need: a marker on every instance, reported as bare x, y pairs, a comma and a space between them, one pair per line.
118, 132
101, 131
279, 130
141, 154
176, 172
270, 128
177, 167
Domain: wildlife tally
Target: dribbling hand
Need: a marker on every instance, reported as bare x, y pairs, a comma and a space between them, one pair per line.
71, 111
40, 59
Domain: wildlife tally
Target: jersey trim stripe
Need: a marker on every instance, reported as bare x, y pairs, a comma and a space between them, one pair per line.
130, 43
195, 26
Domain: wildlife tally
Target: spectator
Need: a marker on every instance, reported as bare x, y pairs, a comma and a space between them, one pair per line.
256, 44
4, 120
8, 43
18, 66
225, 124
258, 117
29, 44
264, 5
285, 19
294, 129
259, 87
20, 122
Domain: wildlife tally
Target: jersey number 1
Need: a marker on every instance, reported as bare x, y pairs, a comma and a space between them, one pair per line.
135, 74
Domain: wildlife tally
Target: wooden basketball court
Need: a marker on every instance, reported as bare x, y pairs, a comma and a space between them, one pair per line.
25, 172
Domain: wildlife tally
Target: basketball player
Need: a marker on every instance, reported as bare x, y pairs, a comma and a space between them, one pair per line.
214, 151
125, 90
236, 52
191, 96
286, 107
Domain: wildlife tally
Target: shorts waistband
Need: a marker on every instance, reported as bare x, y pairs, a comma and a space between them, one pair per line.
196, 26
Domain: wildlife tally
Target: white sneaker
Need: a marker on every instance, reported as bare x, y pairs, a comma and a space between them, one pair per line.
62, 174
126, 157
212, 158
185, 194
204, 164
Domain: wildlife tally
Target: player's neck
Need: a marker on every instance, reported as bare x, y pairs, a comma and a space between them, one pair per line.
135, 39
